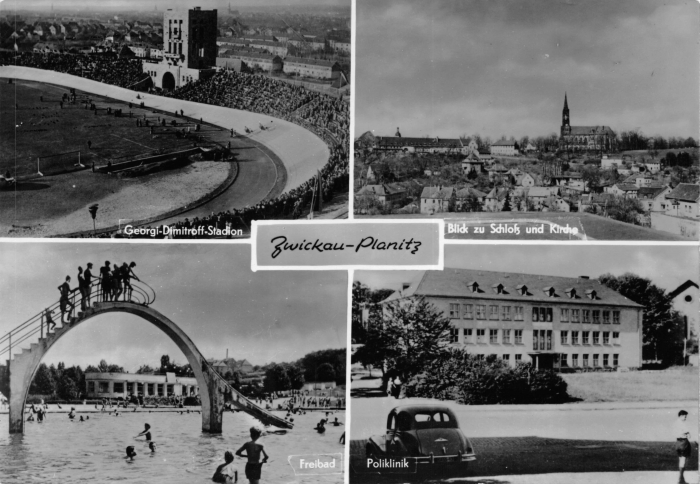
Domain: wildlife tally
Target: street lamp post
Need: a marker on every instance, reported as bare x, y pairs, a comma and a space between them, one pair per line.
93, 213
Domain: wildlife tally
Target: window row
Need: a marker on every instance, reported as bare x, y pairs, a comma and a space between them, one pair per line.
478, 336
586, 337
597, 361
495, 312
541, 338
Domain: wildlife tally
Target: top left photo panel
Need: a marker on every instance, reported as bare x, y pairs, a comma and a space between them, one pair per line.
181, 119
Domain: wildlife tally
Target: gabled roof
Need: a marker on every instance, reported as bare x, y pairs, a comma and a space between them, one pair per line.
627, 187
454, 283
685, 191
499, 193
442, 193
542, 191
588, 130
465, 192
399, 141
681, 289
498, 167
650, 192
380, 190
310, 62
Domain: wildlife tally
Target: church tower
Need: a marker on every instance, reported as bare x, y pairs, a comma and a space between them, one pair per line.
565, 122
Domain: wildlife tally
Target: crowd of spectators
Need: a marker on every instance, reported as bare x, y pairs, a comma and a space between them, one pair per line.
325, 115
106, 68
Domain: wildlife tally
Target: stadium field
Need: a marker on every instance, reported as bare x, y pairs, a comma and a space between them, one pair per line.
33, 124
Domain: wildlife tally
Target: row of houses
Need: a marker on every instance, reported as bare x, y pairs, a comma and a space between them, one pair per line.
303, 67
338, 41
465, 146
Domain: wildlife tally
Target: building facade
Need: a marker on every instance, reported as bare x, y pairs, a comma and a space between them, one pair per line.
582, 138
189, 48
504, 147
554, 322
115, 385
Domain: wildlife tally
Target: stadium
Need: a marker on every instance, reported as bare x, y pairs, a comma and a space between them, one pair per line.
217, 152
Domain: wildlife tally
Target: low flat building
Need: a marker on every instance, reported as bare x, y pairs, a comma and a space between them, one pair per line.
608, 162
421, 145
504, 147
562, 323
115, 385
317, 68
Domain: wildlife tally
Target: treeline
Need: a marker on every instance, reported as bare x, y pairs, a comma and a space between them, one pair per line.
58, 382
321, 366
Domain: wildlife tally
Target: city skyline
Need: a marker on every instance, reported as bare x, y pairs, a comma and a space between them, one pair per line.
454, 68
209, 291
163, 4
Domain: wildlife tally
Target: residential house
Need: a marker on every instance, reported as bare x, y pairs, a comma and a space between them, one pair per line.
437, 199
653, 198
628, 190
464, 195
496, 171
683, 201
494, 201
387, 193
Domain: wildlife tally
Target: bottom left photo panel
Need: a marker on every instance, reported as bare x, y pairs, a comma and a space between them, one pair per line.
168, 363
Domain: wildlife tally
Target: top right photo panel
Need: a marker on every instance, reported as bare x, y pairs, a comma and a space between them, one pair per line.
538, 120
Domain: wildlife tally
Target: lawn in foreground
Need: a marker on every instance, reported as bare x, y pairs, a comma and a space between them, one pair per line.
634, 386
591, 226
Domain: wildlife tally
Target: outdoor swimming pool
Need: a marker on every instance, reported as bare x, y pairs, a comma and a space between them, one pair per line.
61, 451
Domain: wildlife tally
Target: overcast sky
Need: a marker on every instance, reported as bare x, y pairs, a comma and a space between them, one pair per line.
667, 266
164, 4
209, 291
501, 67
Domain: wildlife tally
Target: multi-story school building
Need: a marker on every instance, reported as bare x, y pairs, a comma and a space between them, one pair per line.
564, 323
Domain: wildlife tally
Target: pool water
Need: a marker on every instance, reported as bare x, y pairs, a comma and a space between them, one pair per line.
63, 451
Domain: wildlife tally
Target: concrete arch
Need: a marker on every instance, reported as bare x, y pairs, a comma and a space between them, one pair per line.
24, 366
168, 82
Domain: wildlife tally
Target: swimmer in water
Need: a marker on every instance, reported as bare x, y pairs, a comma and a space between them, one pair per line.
71, 414
336, 423
226, 472
146, 432
320, 427
81, 419
152, 446
130, 453
253, 450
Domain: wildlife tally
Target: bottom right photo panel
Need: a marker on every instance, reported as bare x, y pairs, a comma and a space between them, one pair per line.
528, 364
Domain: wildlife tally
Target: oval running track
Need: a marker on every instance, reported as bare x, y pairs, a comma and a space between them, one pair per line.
301, 151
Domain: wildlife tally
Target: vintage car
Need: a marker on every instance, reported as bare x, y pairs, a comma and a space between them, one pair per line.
427, 436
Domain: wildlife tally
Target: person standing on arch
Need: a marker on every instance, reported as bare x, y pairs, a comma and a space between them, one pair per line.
65, 301
82, 288
105, 282
128, 274
88, 283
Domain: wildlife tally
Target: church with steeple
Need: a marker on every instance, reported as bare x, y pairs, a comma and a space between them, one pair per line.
585, 138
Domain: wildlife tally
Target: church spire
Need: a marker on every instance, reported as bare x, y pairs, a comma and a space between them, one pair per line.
566, 104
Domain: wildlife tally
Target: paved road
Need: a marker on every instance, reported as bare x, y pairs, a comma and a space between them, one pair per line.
536, 455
